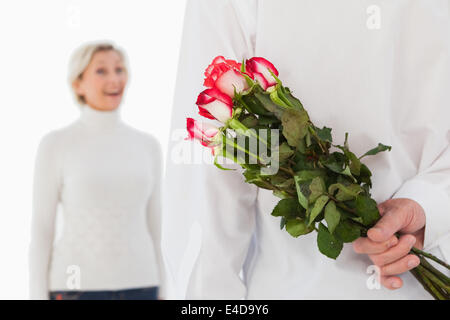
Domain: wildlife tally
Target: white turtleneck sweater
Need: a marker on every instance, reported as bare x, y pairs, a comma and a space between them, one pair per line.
107, 177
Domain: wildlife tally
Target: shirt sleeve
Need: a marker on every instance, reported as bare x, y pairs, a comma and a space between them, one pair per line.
221, 202
431, 189
426, 131
154, 217
46, 188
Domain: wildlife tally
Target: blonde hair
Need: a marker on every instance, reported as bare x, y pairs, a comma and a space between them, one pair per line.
81, 58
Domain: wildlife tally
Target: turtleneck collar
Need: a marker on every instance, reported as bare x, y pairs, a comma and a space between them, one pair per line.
100, 119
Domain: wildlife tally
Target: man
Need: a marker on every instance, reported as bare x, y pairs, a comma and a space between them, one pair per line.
380, 71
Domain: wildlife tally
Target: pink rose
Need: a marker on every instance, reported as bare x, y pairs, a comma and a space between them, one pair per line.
213, 104
203, 132
225, 75
259, 69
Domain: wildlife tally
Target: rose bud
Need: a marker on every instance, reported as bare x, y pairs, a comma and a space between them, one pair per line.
259, 68
225, 75
214, 104
203, 132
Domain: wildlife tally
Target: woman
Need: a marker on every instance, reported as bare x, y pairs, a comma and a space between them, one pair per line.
106, 175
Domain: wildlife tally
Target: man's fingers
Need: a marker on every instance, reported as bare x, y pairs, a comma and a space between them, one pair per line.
392, 221
400, 266
391, 283
395, 253
382, 208
367, 246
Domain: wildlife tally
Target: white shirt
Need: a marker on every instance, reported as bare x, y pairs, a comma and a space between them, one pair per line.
388, 85
106, 176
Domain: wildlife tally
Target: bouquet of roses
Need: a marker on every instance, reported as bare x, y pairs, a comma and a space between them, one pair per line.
320, 190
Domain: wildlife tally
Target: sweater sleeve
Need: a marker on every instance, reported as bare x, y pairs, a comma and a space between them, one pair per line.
154, 217
221, 203
46, 188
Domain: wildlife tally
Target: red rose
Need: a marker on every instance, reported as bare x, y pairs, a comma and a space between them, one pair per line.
213, 104
203, 132
225, 75
259, 69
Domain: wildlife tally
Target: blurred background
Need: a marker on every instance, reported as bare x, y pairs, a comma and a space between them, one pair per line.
37, 39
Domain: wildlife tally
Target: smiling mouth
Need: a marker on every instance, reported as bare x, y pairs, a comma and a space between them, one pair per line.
113, 94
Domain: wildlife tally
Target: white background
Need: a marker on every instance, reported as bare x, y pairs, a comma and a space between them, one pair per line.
37, 38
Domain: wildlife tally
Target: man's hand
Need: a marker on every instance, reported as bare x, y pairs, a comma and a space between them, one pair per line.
389, 253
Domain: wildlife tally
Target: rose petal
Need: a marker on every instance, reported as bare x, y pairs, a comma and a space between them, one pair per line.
230, 80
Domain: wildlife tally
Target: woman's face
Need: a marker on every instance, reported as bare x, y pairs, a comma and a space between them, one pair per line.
103, 81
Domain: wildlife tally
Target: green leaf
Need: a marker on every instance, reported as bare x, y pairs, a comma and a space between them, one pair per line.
301, 147
327, 243
249, 120
348, 173
302, 162
380, 148
267, 103
284, 152
345, 192
297, 227
306, 175
335, 162
308, 139
293, 100
317, 188
367, 209
282, 94
254, 105
277, 99
332, 216
254, 176
288, 208
302, 197
347, 231
324, 134
365, 175
265, 121
281, 194
295, 126
286, 184
243, 66
349, 193
355, 164
317, 209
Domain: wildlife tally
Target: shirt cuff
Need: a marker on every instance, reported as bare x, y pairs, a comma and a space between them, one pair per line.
436, 204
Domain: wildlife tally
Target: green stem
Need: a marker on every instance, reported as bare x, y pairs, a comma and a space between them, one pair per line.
289, 171
237, 146
436, 294
420, 277
435, 271
241, 128
433, 278
430, 256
